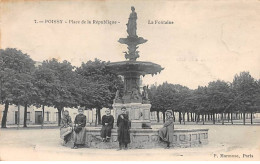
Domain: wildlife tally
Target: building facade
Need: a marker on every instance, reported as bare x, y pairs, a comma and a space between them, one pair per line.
15, 116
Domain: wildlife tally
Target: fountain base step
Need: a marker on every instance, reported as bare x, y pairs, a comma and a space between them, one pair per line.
147, 138
141, 124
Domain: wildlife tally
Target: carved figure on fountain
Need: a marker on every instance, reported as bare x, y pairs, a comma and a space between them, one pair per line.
135, 95
145, 97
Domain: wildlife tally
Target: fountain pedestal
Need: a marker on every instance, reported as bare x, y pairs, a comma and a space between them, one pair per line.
136, 103
139, 114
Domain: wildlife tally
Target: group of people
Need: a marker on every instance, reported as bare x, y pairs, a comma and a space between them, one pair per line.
77, 133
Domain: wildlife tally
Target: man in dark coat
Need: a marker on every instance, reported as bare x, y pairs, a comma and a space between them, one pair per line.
79, 134
123, 125
107, 125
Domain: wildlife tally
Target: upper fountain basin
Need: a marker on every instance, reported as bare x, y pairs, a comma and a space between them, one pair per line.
134, 67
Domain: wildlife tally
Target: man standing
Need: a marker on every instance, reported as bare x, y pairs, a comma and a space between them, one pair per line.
107, 126
123, 125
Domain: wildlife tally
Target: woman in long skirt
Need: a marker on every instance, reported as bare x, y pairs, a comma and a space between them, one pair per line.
166, 132
79, 134
123, 129
66, 127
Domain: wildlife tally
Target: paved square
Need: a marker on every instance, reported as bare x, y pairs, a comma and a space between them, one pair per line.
44, 144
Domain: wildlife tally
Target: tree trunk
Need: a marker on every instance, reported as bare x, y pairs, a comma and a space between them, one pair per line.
4, 118
98, 116
18, 117
183, 115
214, 121
158, 117
43, 116
191, 116
231, 117
197, 118
180, 117
59, 115
173, 115
25, 116
251, 117
228, 116
244, 117
203, 118
188, 117
163, 117
222, 117
96, 119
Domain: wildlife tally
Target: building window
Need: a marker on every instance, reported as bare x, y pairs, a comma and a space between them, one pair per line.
47, 116
28, 116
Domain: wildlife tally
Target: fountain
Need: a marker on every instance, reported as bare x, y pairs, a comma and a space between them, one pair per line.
137, 103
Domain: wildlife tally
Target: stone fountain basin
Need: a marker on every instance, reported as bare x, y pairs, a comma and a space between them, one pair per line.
137, 67
147, 138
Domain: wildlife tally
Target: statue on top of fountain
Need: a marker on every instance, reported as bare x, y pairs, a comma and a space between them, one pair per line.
131, 25
132, 39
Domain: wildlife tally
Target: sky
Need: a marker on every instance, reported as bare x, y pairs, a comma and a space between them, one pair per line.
209, 40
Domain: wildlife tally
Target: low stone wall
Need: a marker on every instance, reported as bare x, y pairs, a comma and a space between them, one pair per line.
148, 138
